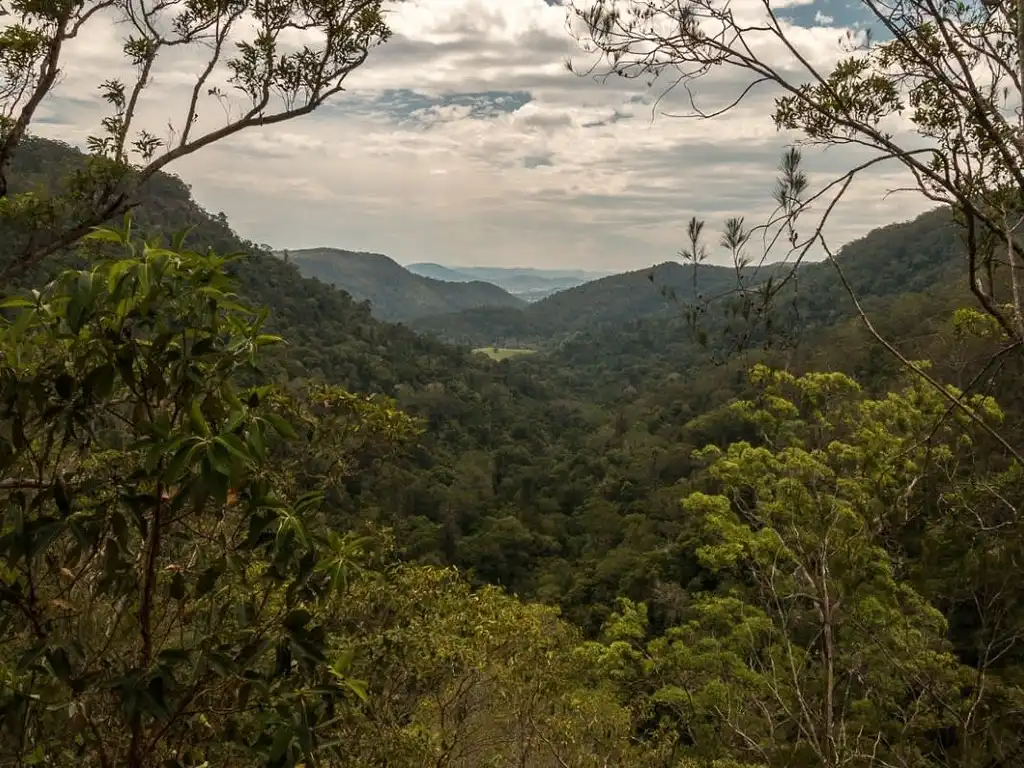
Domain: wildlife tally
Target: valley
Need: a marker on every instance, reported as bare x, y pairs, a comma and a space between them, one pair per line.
529, 284
558, 434
757, 504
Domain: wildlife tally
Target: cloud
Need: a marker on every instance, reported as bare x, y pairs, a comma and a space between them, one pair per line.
464, 140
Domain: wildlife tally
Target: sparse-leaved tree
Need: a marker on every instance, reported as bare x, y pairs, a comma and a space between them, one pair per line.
253, 64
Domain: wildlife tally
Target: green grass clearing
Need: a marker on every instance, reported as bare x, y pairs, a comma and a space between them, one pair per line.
504, 353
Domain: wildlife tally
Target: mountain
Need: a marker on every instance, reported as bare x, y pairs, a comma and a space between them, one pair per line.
395, 293
330, 335
558, 475
528, 283
560, 478
609, 301
440, 272
900, 258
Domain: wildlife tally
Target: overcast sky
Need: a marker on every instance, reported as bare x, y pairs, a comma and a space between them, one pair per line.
465, 141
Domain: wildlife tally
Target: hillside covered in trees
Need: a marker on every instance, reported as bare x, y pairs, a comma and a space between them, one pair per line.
394, 292
905, 257
709, 524
557, 477
528, 283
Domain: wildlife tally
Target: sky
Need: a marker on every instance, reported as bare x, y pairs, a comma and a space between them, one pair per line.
465, 141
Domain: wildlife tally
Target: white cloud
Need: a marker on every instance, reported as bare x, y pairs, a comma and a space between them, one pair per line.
420, 159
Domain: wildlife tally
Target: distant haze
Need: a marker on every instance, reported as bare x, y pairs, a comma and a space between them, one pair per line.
528, 283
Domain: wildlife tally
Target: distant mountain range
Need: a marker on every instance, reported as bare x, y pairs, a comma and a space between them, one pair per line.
905, 257
615, 299
527, 283
510, 307
395, 293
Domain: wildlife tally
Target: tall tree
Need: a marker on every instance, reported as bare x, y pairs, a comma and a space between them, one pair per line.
951, 70
165, 569
246, 63
821, 643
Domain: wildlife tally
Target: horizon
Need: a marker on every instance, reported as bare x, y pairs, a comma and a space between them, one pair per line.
463, 140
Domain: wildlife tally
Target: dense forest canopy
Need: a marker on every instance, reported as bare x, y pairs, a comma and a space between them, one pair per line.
394, 292
744, 517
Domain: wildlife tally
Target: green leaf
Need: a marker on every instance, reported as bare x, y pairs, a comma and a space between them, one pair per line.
219, 459
281, 426
99, 382
282, 740
196, 418
117, 272
235, 445
256, 442
179, 461
309, 501
106, 235
343, 662
15, 302
358, 687
257, 525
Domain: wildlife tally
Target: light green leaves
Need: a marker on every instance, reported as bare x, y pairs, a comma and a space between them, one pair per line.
818, 616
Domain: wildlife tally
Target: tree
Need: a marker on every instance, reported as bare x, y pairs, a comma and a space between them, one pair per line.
166, 567
458, 677
951, 70
242, 48
821, 645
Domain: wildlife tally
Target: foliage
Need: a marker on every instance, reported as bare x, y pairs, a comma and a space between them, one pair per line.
240, 51
191, 567
819, 645
165, 579
556, 477
394, 292
457, 677
906, 257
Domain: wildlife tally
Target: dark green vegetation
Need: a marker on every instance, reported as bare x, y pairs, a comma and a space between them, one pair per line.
729, 522
559, 477
907, 257
394, 292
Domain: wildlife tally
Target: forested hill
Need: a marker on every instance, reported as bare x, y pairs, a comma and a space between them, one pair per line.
329, 334
685, 517
531, 284
608, 301
557, 477
394, 292
905, 257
